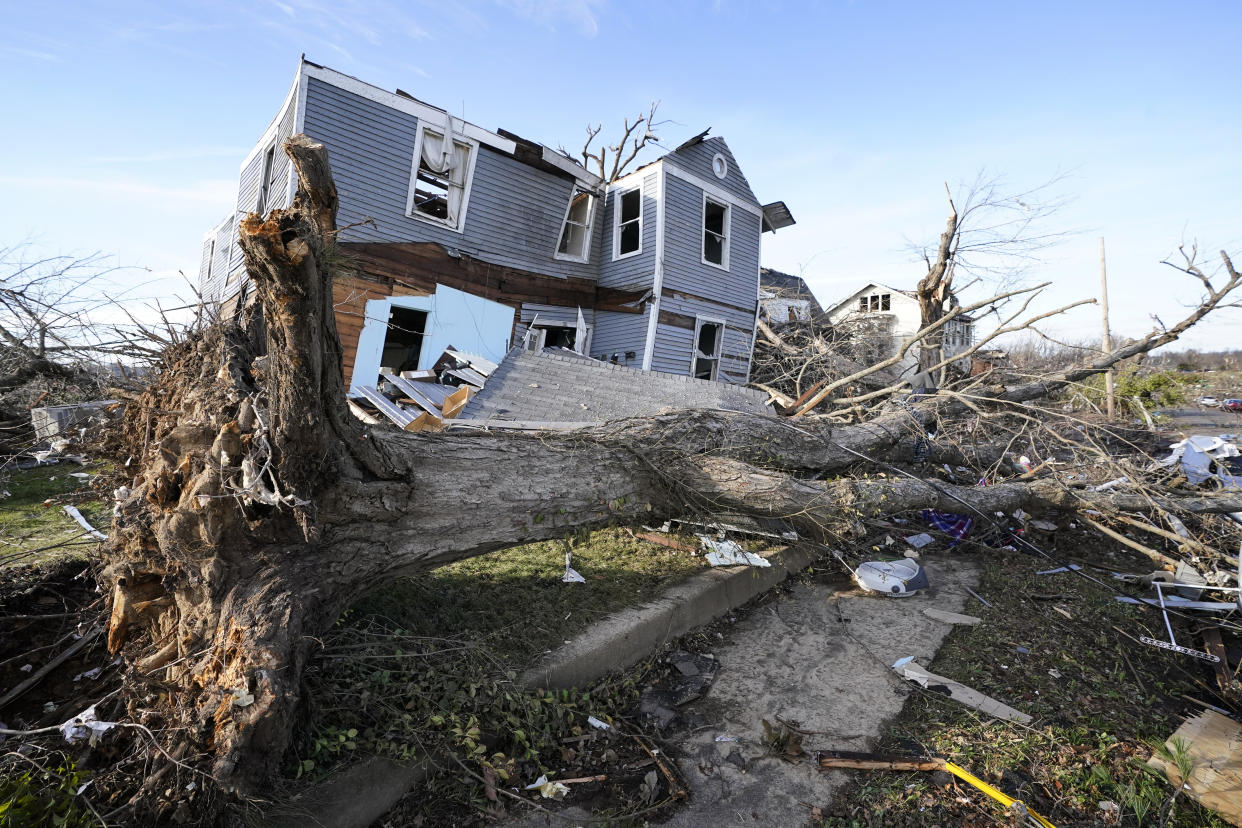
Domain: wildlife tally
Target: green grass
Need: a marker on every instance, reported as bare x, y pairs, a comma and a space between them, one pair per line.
28, 525
428, 666
515, 601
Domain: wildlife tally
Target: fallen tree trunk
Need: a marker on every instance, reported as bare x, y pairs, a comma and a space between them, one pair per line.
262, 508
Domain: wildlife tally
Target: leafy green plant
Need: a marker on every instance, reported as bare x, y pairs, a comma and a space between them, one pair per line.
32, 794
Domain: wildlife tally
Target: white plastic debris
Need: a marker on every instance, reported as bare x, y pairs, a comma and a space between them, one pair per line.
1018, 514
91, 674
1025, 463
920, 540
896, 579
73, 512
548, 790
242, 697
598, 723
730, 553
571, 575
726, 738
85, 725
908, 669
1112, 484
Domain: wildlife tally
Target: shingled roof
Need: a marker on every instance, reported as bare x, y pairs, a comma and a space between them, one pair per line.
552, 387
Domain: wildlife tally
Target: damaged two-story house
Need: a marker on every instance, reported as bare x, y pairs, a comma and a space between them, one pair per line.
483, 241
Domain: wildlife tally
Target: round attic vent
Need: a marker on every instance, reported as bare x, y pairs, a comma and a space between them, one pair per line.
720, 166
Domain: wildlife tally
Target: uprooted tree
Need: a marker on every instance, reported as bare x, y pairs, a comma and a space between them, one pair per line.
261, 508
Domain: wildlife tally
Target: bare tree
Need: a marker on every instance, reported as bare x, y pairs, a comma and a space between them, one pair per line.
993, 238
611, 161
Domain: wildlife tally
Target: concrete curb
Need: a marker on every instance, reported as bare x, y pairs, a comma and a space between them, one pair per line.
634, 634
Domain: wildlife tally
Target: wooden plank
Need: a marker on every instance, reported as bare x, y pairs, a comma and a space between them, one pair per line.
455, 402
841, 759
386, 406
425, 422
423, 265
411, 390
1214, 645
1213, 742
362, 414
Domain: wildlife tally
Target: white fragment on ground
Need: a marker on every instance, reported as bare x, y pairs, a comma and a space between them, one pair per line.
598, 723
571, 575
920, 540
72, 511
548, 790
730, 553
242, 697
85, 725
907, 669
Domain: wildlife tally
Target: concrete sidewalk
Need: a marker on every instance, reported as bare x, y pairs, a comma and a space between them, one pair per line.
795, 659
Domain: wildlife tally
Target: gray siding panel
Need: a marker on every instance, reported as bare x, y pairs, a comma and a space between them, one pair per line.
674, 347
619, 333
554, 313
638, 271
698, 160
514, 213
683, 249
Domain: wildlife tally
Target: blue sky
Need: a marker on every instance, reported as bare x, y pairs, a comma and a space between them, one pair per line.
126, 121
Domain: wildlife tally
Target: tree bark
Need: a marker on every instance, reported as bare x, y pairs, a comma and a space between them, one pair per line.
262, 508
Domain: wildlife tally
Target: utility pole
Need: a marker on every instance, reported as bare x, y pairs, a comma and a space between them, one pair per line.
1107, 339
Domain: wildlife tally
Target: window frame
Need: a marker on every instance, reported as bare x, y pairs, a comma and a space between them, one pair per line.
265, 179
588, 227
616, 223
728, 232
461, 140
699, 322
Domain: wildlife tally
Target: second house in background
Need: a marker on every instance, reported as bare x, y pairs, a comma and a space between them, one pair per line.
484, 241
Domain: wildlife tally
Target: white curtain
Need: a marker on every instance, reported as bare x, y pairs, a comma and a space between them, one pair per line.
447, 158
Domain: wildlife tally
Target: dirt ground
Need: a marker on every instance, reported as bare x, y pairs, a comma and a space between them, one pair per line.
818, 657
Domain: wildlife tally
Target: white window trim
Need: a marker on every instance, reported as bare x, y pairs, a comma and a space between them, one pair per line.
465, 196
728, 217
699, 322
590, 228
616, 224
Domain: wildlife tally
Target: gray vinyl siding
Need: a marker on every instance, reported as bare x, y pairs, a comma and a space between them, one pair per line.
204, 268
674, 348
212, 271
618, 333
698, 160
684, 268
549, 314
695, 307
514, 212
634, 272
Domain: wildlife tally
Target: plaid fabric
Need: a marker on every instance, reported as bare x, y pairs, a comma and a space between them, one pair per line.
955, 526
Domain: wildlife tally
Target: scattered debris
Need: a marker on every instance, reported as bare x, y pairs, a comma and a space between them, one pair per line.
896, 579
548, 790
1067, 568
598, 723
85, 725
951, 617
72, 511
571, 575
1210, 742
908, 669
977, 596
730, 553
920, 540
829, 760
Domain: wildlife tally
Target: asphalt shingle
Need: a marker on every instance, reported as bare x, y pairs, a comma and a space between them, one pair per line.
553, 387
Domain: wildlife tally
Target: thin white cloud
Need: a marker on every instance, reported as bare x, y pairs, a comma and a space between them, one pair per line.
34, 54
583, 14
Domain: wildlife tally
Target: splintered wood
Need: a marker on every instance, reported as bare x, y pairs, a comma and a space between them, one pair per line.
1214, 743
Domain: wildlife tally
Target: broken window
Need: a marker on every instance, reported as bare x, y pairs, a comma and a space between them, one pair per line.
265, 183
715, 233
576, 232
707, 342
629, 223
875, 303
403, 342
441, 179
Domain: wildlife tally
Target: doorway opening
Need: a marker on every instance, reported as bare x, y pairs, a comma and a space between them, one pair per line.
403, 341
